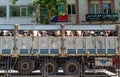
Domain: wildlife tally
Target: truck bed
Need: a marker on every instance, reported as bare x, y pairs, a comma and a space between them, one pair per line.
51, 46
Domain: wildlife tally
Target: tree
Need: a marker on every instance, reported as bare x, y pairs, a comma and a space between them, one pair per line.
14, 1
48, 9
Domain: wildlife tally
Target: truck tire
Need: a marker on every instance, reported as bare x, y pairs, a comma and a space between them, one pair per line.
49, 67
25, 66
71, 67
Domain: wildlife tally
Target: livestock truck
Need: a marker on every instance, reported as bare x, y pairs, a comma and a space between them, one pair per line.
49, 54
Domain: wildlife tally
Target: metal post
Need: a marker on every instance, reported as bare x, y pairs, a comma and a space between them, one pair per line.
106, 49
83, 67
96, 45
62, 40
31, 48
118, 38
15, 48
8, 65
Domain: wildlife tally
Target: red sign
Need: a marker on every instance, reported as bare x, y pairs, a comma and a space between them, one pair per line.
62, 18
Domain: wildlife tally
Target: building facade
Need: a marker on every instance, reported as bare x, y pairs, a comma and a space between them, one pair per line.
21, 12
78, 11
98, 11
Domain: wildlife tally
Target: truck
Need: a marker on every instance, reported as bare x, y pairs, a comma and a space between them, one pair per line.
88, 48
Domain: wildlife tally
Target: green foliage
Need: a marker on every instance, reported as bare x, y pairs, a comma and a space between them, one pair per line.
50, 8
51, 4
14, 1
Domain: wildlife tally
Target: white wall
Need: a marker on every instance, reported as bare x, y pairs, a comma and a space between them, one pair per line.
16, 20
72, 17
23, 2
3, 2
71, 1
117, 8
83, 9
19, 2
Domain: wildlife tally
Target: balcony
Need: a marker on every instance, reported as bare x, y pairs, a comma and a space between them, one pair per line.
102, 17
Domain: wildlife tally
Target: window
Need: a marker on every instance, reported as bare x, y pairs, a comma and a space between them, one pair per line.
2, 11
14, 11
95, 8
106, 8
71, 9
22, 10
31, 9
100, 6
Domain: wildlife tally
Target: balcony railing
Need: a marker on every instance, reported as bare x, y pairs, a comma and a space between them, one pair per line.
102, 17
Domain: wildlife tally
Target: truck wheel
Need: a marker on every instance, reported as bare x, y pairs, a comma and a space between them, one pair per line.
25, 66
71, 67
49, 67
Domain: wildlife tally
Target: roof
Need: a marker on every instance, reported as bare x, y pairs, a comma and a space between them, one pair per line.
57, 27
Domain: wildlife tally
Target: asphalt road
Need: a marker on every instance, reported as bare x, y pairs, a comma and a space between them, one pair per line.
91, 73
